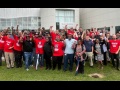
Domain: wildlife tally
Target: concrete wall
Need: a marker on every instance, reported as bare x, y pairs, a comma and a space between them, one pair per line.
100, 17
48, 17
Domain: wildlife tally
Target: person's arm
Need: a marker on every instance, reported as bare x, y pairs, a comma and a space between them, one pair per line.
6, 30
66, 29
38, 30
17, 29
64, 43
51, 29
107, 39
13, 32
104, 29
76, 26
82, 35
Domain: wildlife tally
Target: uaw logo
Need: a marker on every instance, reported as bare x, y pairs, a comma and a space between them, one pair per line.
39, 44
2, 41
56, 47
18, 43
8, 43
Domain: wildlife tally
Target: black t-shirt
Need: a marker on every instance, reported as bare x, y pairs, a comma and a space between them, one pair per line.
27, 46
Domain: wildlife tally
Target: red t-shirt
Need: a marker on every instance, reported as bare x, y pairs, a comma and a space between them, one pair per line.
58, 46
39, 45
35, 42
8, 43
2, 43
54, 36
72, 32
17, 44
114, 45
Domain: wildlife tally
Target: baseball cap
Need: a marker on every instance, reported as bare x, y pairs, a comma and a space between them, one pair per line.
9, 33
36, 33
78, 33
39, 35
46, 33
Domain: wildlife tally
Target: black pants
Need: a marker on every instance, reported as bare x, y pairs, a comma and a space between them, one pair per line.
115, 56
81, 66
105, 60
1, 52
59, 59
18, 58
48, 60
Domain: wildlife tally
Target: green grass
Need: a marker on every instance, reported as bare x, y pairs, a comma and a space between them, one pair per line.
20, 74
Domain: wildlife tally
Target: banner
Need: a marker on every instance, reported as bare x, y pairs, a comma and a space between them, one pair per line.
69, 25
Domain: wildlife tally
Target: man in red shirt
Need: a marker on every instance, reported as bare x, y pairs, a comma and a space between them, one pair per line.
114, 50
58, 53
2, 43
39, 49
8, 49
69, 31
17, 48
54, 35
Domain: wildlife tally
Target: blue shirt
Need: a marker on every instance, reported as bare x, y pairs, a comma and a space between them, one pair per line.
69, 43
88, 45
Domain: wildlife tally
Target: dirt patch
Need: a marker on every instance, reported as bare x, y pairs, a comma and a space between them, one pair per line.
96, 75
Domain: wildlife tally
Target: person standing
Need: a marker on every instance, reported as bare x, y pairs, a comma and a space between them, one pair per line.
17, 48
27, 49
69, 31
8, 49
2, 44
114, 49
58, 53
89, 50
99, 52
39, 49
79, 51
47, 52
69, 52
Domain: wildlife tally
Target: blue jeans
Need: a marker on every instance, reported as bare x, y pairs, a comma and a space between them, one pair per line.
66, 57
27, 56
42, 59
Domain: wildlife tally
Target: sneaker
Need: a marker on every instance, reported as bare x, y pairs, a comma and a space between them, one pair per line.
91, 66
27, 69
34, 67
41, 67
12, 67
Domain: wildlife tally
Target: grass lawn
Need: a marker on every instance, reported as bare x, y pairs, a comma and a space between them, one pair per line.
20, 74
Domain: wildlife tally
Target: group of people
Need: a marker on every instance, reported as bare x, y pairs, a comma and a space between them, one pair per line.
65, 46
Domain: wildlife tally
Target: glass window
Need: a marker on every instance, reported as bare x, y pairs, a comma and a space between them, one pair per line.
3, 20
8, 24
39, 19
25, 19
24, 23
117, 29
8, 20
25, 28
39, 23
19, 19
3, 23
57, 19
14, 24
67, 13
61, 19
20, 24
29, 19
61, 13
14, 19
67, 19
72, 19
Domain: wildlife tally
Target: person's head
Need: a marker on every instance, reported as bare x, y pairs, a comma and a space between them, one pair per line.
2, 33
43, 29
71, 29
108, 35
93, 34
28, 31
101, 38
87, 31
19, 34
46, 34
57, 32
79, 35
80, 29
57, 39
40, 37
98, 32
64, 37
97, 40
95, 29
87, 38
114, 37
36, 35
28, 37
69, 36
62, 31
79, 42
47, 39
9, 35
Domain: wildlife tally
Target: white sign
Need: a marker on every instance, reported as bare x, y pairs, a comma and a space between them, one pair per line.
69, 25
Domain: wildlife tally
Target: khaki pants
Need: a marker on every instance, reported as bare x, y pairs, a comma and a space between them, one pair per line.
107, 55
7, 56
89, 54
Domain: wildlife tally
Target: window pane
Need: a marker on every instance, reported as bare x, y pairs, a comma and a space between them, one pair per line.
57, 13
57, 19
3, 20
67, 13
3, 23
71, 13
67, 19
72, 19
39, 23
20, 24
25, 19
29, 18
8, 24
61, 19
39, 19
14, 19
61, 13
8, 20
25, 28
14, 24
19, 19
